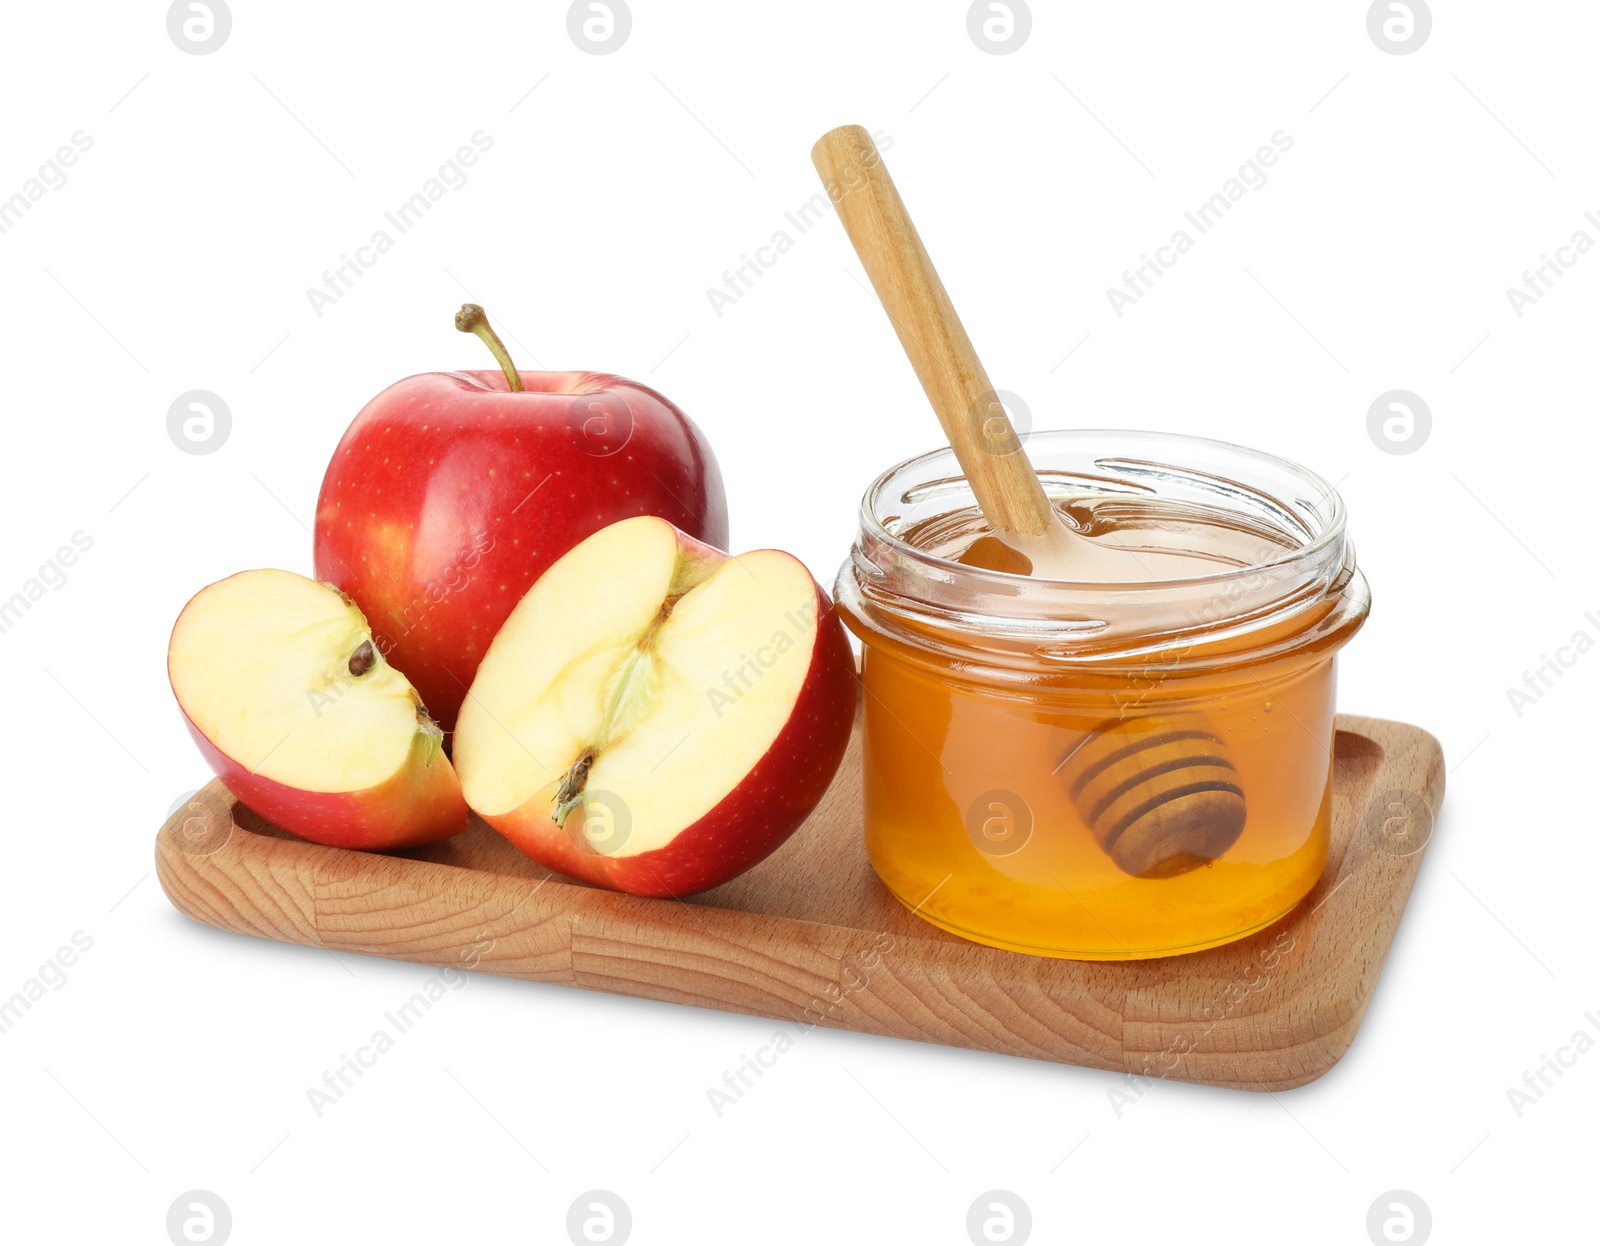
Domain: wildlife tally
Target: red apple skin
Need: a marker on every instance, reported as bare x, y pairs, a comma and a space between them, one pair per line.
419, 805
751, 821
449, 495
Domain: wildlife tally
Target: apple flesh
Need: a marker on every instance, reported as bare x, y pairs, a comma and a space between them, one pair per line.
450, 495
298, 713
657, 716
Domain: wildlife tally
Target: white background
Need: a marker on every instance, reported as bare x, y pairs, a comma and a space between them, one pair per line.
1377, 256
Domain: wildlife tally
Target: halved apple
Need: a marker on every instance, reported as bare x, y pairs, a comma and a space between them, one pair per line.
303, 720
657, 716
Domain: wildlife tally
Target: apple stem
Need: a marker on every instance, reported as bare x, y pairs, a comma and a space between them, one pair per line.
471, 319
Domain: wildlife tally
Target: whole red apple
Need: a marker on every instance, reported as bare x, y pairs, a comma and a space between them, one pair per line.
452, 492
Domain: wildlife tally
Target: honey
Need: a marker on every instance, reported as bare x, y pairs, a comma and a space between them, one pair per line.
1113, 770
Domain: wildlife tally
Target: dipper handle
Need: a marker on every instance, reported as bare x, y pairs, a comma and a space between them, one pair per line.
991, 457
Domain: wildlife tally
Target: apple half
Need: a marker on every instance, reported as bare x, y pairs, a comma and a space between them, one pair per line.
300, 716
656, 716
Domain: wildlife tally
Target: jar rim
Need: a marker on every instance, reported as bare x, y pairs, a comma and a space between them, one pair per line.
1328, 507
1300, 584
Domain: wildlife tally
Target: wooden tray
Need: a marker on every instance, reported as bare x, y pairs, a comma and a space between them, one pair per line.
810, 936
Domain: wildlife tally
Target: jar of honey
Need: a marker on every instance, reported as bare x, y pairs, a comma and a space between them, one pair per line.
1104, 771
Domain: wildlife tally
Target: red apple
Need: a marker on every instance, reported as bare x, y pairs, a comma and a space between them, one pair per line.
656, 716
453, 491
297, 712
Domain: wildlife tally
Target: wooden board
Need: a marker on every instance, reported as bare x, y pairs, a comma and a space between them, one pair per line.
811, 936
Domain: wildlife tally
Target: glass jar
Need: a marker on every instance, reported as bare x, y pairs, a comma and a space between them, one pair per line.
1095, 770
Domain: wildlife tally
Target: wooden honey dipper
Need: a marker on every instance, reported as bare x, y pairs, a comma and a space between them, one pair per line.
1158, 793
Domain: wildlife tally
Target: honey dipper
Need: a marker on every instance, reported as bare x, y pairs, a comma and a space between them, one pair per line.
1158, 793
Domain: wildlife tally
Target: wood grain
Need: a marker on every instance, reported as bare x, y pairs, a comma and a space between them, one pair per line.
811, 937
